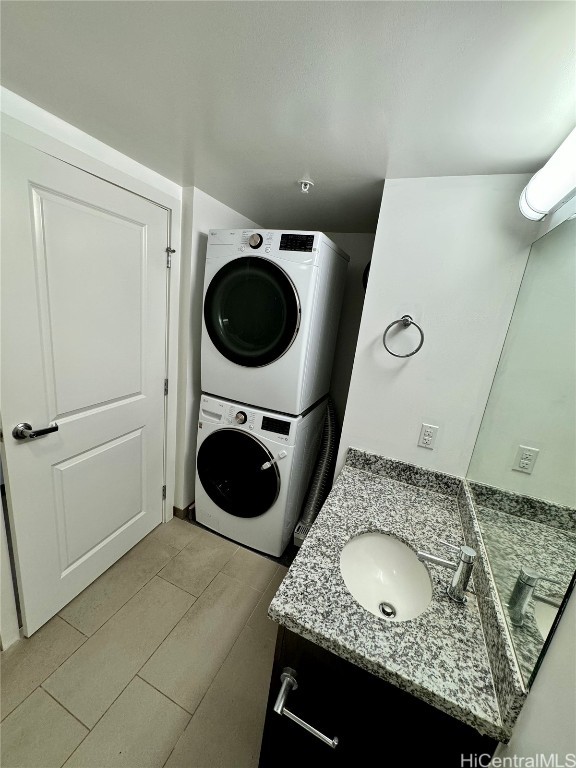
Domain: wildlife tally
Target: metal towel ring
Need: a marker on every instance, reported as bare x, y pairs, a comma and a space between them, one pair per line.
406, 321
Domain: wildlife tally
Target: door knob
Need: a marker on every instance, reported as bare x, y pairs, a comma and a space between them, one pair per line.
24, 431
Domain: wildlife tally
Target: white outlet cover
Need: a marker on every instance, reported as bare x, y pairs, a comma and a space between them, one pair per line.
525, 459
428, 433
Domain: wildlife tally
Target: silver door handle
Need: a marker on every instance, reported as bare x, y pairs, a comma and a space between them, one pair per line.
24, 431
289, 684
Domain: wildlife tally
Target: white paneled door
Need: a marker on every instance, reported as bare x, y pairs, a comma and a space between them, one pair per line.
84, 287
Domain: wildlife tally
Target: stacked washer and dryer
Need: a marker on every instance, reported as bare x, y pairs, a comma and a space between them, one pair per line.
271, 309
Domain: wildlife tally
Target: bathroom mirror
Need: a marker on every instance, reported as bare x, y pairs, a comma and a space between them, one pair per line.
522, 472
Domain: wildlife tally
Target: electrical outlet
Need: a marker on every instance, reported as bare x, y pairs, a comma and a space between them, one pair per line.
525, 459
427, 437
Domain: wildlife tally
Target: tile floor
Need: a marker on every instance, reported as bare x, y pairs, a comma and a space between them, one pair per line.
164, 661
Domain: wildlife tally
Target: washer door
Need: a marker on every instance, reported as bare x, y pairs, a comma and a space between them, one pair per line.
230, 470
251, 311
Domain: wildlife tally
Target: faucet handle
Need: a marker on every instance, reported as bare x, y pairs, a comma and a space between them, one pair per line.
552, 581
467, 554
531, 577
447, 544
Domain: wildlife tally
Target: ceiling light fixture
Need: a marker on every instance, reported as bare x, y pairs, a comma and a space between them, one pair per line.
305, 185
553, 184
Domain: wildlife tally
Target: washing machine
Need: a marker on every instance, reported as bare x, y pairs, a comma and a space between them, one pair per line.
272, 303
253, 471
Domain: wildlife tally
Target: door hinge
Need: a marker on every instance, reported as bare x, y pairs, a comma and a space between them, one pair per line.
163, 491
169, 252
165, 386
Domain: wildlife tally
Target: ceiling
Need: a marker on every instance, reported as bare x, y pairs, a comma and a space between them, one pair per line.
242, 99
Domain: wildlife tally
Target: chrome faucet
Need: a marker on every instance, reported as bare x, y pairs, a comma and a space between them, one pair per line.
523, 590
462, 569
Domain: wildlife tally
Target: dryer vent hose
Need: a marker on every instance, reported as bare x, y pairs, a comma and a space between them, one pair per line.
323, 471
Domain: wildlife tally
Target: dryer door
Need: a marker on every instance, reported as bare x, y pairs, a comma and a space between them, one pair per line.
230, 469
252, 311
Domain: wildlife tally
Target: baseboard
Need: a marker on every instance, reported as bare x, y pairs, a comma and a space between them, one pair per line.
184, 514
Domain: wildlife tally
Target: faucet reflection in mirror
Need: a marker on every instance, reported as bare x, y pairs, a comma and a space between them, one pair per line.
523, 592
528, 520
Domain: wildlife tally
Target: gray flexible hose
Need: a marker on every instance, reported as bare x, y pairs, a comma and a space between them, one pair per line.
324, 469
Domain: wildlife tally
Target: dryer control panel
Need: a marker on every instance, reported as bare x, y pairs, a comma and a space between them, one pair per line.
296, 242
292, 245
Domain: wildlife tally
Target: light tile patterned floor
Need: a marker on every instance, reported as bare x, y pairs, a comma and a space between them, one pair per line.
164, 661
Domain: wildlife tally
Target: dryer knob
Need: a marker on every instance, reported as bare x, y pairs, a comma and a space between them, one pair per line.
255, 240
240, 417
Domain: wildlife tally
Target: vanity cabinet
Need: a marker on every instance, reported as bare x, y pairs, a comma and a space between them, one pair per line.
375, 722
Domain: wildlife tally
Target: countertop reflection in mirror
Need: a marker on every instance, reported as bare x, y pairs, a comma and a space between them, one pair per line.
522, 472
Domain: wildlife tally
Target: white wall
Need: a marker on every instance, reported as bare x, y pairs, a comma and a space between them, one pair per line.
533, 401
359, 246
451, 253
31, 124
200, 212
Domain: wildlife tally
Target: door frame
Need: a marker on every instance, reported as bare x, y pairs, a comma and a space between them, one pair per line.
37, 128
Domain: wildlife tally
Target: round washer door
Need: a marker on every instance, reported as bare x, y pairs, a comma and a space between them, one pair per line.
230, 470
252, 311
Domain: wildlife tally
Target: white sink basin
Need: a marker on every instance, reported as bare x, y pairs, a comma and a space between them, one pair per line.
384, 575
544, 616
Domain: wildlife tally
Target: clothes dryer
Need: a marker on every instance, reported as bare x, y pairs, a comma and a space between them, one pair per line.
272, 303
253, 471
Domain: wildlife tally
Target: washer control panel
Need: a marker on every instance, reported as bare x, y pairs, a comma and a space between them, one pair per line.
279, 426
275, 426
240, 417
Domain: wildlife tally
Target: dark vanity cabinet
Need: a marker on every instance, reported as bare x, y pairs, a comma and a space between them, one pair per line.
376, 724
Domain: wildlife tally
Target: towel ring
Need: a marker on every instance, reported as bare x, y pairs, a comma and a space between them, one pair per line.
406, 321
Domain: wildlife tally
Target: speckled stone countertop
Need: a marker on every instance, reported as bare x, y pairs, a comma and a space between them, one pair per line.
440, 656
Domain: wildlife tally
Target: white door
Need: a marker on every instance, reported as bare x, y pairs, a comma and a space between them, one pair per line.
84, 286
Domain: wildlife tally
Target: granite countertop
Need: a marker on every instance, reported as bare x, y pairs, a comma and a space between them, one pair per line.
440, 656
